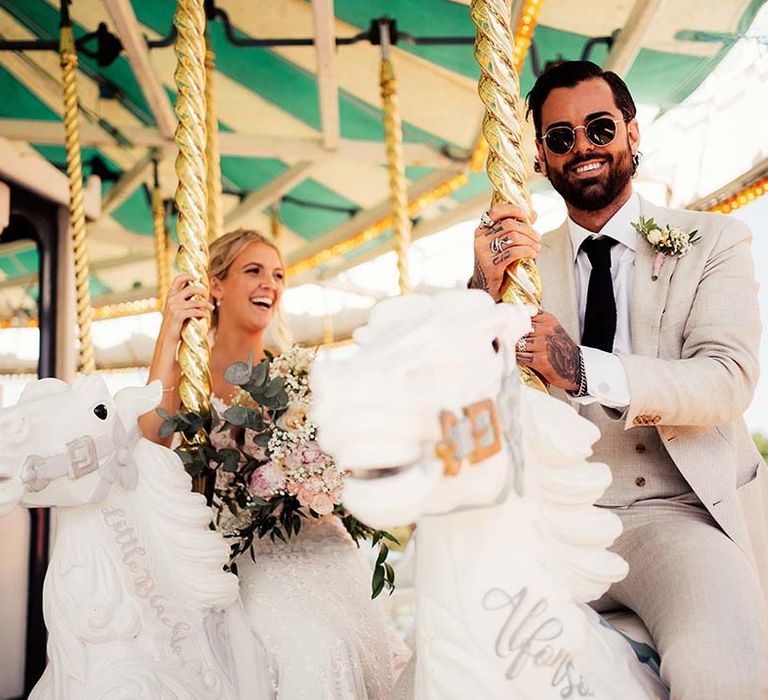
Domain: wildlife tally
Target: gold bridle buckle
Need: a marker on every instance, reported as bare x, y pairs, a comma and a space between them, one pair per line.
484, 436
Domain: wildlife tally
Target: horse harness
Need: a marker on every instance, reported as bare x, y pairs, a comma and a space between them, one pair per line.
109, 455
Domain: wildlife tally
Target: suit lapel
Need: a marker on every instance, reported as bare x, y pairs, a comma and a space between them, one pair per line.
556, 268
649, 297
555, 265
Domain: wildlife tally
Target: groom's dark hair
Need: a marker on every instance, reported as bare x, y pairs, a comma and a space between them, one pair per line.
568, 74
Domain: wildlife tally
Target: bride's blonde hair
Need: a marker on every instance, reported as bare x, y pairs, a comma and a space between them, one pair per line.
223, 252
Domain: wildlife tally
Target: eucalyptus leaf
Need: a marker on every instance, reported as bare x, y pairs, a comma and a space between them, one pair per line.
194, 468
255, 421
167, 428
274, 387
184, 456
258, 374
238, 373
236, 415
231, 458
262, 439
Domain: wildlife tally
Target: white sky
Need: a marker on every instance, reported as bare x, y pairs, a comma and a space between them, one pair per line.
756, 216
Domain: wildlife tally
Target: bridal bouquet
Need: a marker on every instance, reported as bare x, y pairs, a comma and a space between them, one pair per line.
274, 476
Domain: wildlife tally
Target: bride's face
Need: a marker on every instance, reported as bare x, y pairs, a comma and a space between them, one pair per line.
250, 293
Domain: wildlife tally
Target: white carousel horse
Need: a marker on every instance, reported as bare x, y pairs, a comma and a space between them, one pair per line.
430, 416
135, 589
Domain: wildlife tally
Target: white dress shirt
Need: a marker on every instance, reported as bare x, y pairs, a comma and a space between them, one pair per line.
606, 379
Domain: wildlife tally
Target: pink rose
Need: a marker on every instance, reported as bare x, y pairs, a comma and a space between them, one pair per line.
304, 494
267, 479
331, 477
322, 504
315, 485
311, 454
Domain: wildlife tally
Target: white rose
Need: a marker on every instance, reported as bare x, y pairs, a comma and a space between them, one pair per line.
654, 237
294, 418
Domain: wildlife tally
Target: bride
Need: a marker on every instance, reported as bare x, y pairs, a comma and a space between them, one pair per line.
308, 600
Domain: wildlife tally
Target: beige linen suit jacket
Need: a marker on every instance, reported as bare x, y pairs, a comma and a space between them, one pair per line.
694, 362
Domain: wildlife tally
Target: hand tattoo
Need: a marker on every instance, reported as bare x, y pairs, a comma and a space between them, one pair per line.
563, 355
479, 280
502, 257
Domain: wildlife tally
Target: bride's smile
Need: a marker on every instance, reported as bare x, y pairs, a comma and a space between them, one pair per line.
249, 292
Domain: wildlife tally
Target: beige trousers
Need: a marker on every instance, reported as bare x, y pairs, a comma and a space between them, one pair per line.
699, 596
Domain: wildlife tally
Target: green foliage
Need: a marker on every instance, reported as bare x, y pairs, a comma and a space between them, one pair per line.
762, 444
263, 401
383, 573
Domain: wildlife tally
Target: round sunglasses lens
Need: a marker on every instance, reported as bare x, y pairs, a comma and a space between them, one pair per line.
601, 131
559, 140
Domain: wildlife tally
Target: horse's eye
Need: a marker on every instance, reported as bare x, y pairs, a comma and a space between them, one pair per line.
100, 411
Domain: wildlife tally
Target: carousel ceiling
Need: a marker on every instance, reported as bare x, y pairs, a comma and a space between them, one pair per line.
301, 133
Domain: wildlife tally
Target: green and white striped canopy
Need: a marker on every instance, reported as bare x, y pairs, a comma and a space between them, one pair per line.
326, 177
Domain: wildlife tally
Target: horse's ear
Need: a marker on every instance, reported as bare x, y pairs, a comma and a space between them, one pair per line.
42, 388
134, 401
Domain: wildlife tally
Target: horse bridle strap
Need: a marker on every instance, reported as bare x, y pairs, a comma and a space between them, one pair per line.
474, 437
83, 456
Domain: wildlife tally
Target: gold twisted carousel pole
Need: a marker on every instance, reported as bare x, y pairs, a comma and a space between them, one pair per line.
162, 254
68, 58
191, 227
499, 89
529, 16
275, 224
393, 133
213, 178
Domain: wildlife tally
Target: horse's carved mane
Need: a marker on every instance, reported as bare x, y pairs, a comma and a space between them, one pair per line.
135, 589
176, 517
416, 360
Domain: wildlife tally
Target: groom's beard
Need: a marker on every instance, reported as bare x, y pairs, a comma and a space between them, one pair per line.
595, 193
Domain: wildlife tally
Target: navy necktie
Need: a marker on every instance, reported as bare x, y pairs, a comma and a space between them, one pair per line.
600, 315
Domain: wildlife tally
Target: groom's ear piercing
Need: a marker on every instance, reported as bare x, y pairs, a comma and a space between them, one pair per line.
536, 166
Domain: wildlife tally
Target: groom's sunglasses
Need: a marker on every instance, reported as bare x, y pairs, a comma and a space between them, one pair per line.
600, 131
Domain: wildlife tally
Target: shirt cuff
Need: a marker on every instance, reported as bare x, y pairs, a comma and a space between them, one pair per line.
606, 379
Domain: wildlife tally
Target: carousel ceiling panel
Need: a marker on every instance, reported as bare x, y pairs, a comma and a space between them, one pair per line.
422, 86
574, 16
268, 103
42, 19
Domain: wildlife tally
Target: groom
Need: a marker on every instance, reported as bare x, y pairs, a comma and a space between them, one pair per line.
664, 361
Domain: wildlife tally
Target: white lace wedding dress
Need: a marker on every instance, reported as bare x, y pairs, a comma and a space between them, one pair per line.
309, 602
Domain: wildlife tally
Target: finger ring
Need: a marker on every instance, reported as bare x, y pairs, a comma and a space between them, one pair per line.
497, 245
522, 344
486, 221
